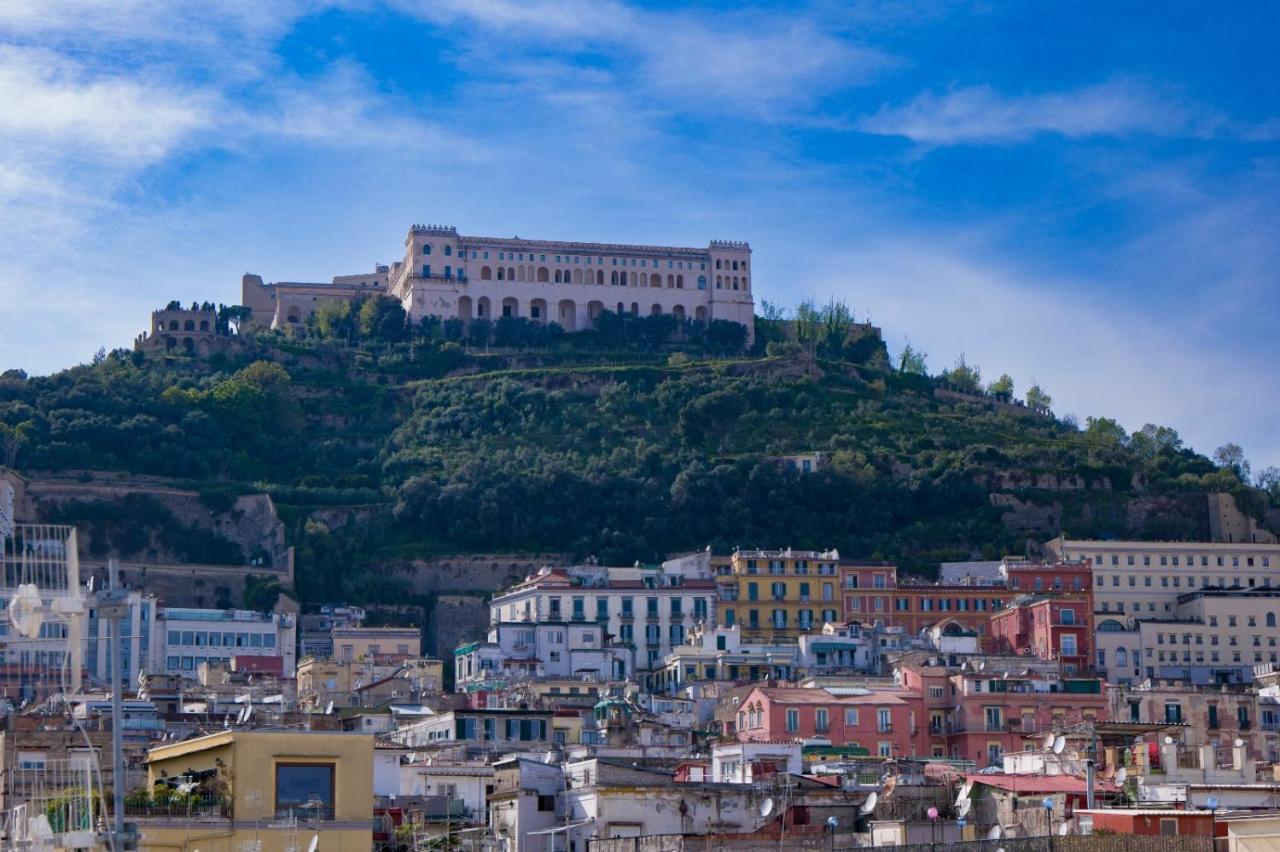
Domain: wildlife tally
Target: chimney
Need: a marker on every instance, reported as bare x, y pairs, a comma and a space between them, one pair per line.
1208, 758
1239, 757
1169, 756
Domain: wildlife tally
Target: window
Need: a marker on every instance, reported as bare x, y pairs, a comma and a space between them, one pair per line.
820, 720
793, 720
1069, 645
851, 717
304, 789
883, 720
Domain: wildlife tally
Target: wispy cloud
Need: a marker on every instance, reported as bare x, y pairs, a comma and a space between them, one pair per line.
980, 114
725, 60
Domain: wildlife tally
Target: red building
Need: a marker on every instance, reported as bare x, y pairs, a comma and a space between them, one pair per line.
1048, 627
1150, 821
884, 722
873, 592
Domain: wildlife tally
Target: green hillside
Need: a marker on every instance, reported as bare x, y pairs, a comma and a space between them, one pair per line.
381, 444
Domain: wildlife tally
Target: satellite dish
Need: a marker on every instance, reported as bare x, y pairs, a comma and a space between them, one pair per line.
1059, 743
1048, 741
833, 823
1239, 742
766, 808
1168, 740
870, 804
1064, 829
1139, 780
314, 844
328, 708
1121, 775
26, 611
1212, 803
994, 833
963, 810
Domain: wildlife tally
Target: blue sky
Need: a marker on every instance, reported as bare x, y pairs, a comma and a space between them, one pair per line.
1089, 198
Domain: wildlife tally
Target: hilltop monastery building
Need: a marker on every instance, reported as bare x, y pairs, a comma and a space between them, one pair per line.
449, 275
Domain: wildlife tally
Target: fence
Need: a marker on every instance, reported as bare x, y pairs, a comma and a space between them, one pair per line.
839, 842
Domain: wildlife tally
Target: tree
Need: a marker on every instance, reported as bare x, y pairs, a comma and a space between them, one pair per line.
808, 325
772, 312
1002, 388
1151, 441
232, 317
383, 318
1230, 456
335, 321
964, 376
1038, 399
1269, 481
261, 593
12, 438
1103, 431
913, 361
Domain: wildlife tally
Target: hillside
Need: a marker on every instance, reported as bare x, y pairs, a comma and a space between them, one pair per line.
384, 449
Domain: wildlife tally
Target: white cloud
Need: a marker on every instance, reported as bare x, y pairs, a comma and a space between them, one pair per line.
979, 114
722, 61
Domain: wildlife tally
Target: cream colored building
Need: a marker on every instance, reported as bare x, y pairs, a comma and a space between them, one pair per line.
450, 275
247, 785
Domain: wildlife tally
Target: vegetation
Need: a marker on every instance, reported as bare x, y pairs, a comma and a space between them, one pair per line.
642, 437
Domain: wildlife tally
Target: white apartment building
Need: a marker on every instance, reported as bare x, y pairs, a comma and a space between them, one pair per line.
720, 654
185, 638
522, 651
1215, 636
650, 608
1135, 580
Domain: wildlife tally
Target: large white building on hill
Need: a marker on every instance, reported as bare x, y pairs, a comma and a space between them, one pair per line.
449, 275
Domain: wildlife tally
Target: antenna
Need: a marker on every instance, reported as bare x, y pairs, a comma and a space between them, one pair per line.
1168, 740
1059, 743
1048, 741
870, 804
1239, 742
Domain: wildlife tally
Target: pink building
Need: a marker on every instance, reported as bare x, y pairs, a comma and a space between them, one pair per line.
1057, 627
887, 723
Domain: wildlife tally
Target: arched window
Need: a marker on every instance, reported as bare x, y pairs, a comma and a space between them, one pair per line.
600, 277
448, 250
679, 282
501, 274
719, 282
204, 325
486, 274
544, 275
717, 263
426, 248
173, 325
702, 282
189, 325
735, 265
1271, 619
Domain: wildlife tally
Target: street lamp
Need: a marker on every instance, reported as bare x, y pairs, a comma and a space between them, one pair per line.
1048, 806
932, 814
832, 825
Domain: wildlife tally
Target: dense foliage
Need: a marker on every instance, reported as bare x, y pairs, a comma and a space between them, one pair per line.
645, 436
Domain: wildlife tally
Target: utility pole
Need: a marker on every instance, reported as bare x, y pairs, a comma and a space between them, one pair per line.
113, 606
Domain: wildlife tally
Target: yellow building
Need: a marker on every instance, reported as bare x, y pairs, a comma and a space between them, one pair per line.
219, 791
779, 594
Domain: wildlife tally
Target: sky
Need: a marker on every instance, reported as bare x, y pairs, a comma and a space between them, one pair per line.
1086, 195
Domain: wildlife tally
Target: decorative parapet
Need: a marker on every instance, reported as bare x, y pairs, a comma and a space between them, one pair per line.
741, 245
435, 230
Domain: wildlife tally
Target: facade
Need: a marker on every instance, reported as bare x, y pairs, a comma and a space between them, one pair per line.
522, 651
1217, 717
719, 654
1048, 627
194, 332
773, 595
883, 722
138, 630
389, 644
247, 783
651, 608
449, 275
490, 730
315, 629
185, 638
287, 304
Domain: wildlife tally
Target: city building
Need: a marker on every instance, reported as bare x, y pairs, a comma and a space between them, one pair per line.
315, 629
490, 731
446, 274
137, 650
245, 786
384, 644
449, 275
521, 651
649, 607
1049, 627
884, 723
773, 595
1217, 716
192, 331
185, 638
717, 653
